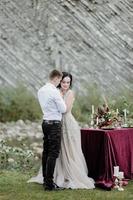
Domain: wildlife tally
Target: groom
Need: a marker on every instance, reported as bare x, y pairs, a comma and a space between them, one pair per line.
52, 106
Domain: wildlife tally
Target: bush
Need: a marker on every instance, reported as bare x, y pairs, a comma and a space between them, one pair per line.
18, 103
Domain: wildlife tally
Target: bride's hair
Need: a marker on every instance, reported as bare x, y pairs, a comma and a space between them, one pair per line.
66, 74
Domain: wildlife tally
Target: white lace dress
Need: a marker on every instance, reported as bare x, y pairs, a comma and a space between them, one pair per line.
70, 170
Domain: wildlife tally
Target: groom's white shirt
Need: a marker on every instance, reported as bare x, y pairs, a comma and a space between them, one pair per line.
51, 102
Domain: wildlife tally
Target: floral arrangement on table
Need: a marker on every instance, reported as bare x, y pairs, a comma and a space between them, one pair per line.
104, 117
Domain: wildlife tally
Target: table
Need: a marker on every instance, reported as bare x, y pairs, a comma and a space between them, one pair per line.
104, 149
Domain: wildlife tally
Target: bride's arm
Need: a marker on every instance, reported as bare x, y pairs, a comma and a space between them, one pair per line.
69, 100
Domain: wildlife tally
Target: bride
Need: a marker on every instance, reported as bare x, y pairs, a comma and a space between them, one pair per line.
70, 170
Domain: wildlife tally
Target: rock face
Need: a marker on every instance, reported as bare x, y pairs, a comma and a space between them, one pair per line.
92, 39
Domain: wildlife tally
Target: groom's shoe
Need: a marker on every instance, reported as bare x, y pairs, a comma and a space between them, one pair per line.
54, 187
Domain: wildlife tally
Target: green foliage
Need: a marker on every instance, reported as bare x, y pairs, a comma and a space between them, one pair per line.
15, 157
18, 103
83, 102
123, 100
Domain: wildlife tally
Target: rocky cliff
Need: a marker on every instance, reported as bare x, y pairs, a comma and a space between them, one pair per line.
92, 39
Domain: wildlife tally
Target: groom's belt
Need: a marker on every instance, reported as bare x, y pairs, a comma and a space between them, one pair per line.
52, 121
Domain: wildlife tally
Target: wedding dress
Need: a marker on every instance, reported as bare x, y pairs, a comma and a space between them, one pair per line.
70, 170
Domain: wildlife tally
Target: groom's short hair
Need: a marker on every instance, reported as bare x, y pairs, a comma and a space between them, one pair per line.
55, 73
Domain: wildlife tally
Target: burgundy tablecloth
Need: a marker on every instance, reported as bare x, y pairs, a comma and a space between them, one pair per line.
104, 149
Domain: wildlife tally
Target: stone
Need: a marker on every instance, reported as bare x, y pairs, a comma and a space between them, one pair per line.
91, 39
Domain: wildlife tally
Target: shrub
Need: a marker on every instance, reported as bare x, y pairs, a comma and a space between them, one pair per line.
18, 103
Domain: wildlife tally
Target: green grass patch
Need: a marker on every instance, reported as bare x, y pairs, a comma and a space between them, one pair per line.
13, 185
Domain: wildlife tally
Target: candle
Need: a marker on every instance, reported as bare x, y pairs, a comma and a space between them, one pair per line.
97, 121
117, 111
116, 171
125, 113
92, 107
121, 175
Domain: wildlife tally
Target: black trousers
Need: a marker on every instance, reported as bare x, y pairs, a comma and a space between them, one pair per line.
51, 149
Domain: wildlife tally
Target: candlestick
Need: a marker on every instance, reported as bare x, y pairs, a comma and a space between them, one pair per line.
116, 183
97, 121
125, 118
120, 177
116, 173
125, 113
92, 121
92, 107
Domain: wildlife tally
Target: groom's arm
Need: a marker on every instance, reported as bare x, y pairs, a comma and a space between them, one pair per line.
60, 102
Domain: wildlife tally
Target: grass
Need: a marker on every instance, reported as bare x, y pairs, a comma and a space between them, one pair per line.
13, 185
